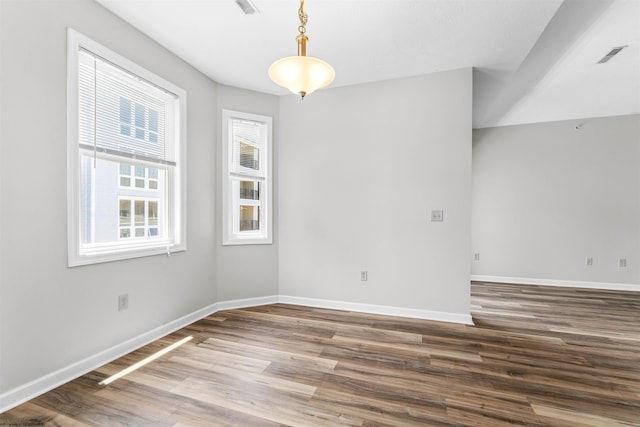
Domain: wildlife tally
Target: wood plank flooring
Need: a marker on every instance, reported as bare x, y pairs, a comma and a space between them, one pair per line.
537, 356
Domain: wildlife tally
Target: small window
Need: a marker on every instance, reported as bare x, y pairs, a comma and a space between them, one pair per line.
125, 116
250, 190
249, 156
126, 146
247, 179
152, 182
144, 178
146, 221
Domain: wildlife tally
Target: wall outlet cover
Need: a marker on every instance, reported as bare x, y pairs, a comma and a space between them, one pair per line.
123, 302
437, 216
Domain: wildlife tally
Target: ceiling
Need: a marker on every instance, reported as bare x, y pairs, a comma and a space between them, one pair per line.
534, 60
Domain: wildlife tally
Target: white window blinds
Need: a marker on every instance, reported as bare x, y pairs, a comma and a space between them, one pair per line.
123, 114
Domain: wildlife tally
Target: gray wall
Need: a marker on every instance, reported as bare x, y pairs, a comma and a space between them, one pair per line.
246, 271
52, 316
547, 196
361, 168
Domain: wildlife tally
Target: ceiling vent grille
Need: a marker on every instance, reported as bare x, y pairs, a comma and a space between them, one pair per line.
614, 51
247, 6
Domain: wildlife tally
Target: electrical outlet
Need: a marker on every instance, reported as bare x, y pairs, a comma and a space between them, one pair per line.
437, 216
476, 257
622, 262
123, 302
364, 276
589, 261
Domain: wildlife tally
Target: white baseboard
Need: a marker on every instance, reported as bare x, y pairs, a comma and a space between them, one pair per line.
54, 379
50, 381
247, 302
559, 283
440, 316
23, 393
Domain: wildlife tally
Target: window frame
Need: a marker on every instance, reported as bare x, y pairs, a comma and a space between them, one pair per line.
176, 191
231, 204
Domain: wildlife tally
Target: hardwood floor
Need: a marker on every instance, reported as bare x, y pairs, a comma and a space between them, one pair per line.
536, 356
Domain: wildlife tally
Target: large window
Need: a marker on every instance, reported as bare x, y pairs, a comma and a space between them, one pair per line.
247, 176
126, 145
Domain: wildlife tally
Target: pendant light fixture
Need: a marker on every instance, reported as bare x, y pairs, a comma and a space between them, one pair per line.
301, 74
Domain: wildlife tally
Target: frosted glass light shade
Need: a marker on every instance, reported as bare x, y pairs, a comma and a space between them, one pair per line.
301, 74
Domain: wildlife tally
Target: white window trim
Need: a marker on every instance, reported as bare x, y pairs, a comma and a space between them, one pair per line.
247, 238
176, 212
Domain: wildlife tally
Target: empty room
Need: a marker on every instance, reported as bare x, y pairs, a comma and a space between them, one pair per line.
320, 212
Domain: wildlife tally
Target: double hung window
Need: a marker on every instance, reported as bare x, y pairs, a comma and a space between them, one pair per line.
126, 145
247, 185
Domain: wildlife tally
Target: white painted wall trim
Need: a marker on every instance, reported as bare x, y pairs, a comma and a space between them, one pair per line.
439, 316
54, 379
21, 394
50, 381
559, 283
247, 302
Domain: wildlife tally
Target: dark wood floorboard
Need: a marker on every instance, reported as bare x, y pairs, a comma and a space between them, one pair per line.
537, 356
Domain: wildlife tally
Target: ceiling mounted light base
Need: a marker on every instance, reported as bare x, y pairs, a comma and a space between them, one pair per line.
301, 74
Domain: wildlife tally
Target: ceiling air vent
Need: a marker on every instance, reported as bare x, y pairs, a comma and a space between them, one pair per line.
614, 51
247, 6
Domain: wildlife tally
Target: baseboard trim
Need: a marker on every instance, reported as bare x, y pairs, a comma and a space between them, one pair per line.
30, 390
247, 302
439, 316
558, 283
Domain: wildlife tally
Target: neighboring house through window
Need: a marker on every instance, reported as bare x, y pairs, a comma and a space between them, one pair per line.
247, 178
138, 177
126, 175
138, 121
138, 218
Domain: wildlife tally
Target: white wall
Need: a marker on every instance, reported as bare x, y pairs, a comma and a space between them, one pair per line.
52, 316
360, 169
547, 196
247, 271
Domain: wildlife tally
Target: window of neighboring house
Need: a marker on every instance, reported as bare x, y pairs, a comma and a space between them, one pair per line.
126, 148
138, 177
138, 120
247, 178
138, 218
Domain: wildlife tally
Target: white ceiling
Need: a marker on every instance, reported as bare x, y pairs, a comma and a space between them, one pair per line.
534, 60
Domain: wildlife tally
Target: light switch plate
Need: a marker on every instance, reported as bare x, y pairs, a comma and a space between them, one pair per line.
437, 216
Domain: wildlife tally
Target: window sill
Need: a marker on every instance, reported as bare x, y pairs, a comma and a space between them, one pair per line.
247, 241
96, 256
